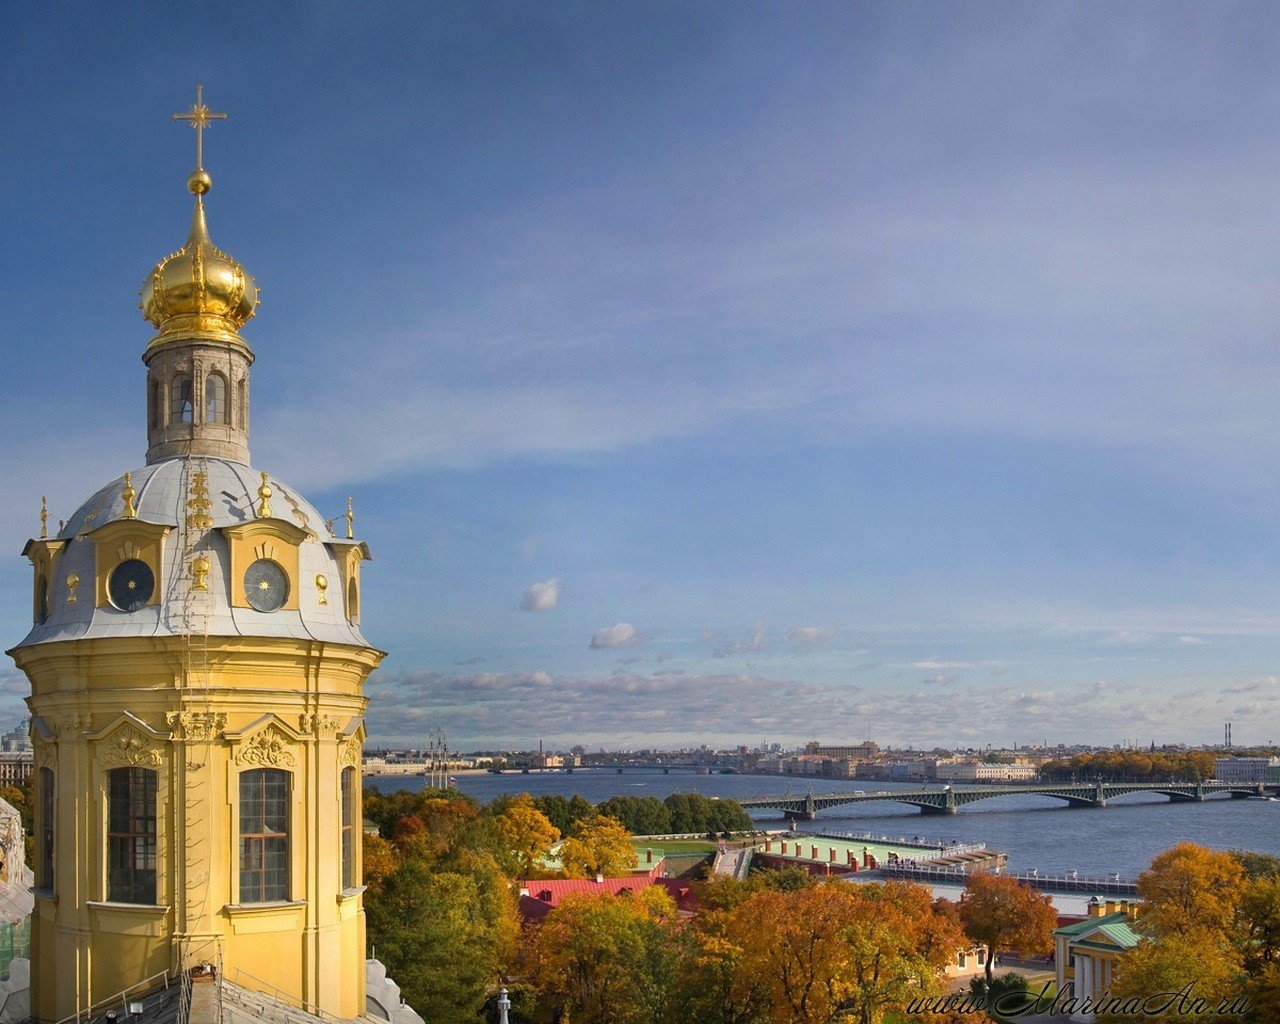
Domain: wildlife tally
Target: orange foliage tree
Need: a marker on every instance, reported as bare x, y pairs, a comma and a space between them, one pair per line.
1002, 913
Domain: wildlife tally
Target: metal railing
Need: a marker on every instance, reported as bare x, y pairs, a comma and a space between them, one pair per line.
146, 987
959, 874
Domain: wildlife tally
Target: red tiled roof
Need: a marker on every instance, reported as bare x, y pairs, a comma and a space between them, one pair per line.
540, 896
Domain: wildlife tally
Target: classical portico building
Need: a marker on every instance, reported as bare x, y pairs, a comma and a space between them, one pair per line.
197, 666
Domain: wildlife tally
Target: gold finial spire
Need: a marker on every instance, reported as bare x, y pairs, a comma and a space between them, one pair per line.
198, 291
201, 116
44, 518
264, 492
351, 520
127, 494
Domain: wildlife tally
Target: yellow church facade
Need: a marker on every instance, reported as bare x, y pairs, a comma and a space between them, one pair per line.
197, 668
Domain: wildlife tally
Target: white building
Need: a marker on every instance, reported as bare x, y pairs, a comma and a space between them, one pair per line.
1244, 769
973, 771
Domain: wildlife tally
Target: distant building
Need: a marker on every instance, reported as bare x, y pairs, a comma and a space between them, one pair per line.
862, 751
977, 771
1244, 769
16, 766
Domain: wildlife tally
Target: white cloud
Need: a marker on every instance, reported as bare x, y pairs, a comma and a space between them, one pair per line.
935, 665
622, 635
541, 597
1192, 640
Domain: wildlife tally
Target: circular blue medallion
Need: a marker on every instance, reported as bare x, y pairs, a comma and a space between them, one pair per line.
131, 585
266, 586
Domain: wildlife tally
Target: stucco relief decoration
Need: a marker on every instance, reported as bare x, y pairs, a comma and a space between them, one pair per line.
46, 751
197, 725
324, 726
128, 748
267, 749
69, 723
349, 753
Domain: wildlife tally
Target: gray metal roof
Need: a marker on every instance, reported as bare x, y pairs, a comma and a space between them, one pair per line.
161, 500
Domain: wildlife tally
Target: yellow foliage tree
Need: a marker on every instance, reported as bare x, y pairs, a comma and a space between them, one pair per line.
1162, 980
528, 835
1191, 888
598, 846
601, 959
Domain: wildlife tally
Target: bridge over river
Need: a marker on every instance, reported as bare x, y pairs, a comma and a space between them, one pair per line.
949, 799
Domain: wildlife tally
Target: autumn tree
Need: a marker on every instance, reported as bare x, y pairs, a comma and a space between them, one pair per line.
602, 959
719, 981
1002, 913
379, 861
527, 836
1191, 887
1152, 971
836, 951
598, 846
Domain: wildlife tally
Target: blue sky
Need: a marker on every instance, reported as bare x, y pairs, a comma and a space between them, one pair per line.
705, 372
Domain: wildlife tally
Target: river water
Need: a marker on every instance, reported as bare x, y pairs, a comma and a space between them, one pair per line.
1036, 832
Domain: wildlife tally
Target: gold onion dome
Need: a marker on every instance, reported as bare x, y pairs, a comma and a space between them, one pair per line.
198, 291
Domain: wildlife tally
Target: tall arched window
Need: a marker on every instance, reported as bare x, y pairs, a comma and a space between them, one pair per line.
215, 398
264, 835
131, 835
47, 806
42, 598
353, 602
242, 400
181, 400
348, 828
153, 403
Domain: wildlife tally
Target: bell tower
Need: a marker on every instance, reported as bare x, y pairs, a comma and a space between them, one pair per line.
198, 298
197, 671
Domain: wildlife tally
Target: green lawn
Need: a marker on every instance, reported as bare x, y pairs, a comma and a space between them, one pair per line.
674, 845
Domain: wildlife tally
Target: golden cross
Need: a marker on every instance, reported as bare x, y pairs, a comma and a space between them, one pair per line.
200, 115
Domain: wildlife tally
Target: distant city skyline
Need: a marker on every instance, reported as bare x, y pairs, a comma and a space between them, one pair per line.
704, 372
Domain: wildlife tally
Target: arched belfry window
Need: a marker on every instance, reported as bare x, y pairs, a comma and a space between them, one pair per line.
44, 879
131, 835
153, 403
215, 398
242, 402
181, 399
264, 835
348, 828
353, 602
42, 598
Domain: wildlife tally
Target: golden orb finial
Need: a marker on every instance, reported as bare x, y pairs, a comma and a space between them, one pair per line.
199, 291
264, 493
127, 494
44, 518
351, 520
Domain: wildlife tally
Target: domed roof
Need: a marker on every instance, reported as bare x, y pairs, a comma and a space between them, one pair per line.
198, 291
161, 499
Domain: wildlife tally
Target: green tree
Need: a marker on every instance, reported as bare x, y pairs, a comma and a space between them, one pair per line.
443, 937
